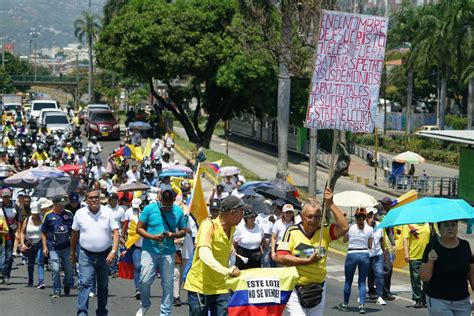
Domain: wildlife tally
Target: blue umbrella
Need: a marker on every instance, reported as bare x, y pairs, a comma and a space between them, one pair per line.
139, 125
173, 173
428, 210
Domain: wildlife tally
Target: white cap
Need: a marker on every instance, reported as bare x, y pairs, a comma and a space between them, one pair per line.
136, 203
288, 208
35, 208
372, 209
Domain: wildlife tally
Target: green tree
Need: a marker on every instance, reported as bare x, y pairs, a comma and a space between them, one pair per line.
6, 82
193, 49
88, 27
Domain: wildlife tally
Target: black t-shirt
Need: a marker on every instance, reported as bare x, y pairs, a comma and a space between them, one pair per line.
450, 271
73, 209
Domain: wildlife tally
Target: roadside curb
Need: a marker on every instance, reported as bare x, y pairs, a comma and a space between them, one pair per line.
186, 156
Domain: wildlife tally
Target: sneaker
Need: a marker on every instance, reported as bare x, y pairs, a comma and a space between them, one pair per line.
29, 284
177, 302
41, 286
56, 295
343, 307
418, 304
142, 311
380, 301
362, 309
372, 297
67, 290
389, 297
91, 294
6, 280
138, 296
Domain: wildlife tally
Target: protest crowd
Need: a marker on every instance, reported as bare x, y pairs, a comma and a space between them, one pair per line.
144, 217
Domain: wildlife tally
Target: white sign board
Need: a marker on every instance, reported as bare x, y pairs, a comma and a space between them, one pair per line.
347, 72
263, 290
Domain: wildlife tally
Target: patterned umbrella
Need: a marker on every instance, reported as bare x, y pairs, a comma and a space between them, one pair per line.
31, 177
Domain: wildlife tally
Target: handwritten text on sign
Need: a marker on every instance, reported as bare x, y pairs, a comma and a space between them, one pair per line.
347, 73
263, 290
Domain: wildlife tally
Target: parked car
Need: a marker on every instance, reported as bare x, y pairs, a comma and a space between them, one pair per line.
38, 105
426, 128
103, 124
57, 121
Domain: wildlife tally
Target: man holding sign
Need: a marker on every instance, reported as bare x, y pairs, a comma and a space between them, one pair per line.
300, 248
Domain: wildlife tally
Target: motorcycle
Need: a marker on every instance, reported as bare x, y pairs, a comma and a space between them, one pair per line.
93, 157
370, 158
11, 152
24, 161
76, 143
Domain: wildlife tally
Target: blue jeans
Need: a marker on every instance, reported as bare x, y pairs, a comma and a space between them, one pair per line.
8, 258
354, 260
36, 256
149, 263
136, 256
93, 264
201, 305
376, 273
94, 283
437, 307
58, 258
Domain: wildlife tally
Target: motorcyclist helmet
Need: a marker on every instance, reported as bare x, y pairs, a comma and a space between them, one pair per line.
94, 139
40, 148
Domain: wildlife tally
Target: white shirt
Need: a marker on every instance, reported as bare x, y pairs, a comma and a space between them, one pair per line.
133, 176
216, 196
188, 244
98, 171
119, 215
237, 193
264, 222
91, 147
359, 238
279, 228
95, 229
248, 238
376, 249
132, 215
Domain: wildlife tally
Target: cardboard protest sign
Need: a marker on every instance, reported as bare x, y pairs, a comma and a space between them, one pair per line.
347, 72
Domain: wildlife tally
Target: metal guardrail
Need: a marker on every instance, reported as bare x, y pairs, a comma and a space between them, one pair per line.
439, 186
382, 161
44, 79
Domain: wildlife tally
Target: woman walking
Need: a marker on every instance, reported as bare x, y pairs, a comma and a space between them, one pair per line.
447, 267
360, 237
286, 219
248, 242
30, 244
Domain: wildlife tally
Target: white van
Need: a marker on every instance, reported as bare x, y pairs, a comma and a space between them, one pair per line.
38, 105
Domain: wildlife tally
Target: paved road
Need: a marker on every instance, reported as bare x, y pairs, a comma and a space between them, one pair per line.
16, 299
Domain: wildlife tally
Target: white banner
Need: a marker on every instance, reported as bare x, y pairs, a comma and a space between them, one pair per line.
263, 290
347, 72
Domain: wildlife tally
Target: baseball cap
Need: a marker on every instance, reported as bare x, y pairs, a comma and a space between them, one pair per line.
288, 208
6, 192
58, 199
21, 193
231, 202
215, 204
249, 212
372, 210
136, 203
35, 208
74, 196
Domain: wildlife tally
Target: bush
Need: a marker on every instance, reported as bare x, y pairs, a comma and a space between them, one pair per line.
456, 122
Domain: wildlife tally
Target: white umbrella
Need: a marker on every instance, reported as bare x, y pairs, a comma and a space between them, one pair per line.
409, 157
228, 171
354, 199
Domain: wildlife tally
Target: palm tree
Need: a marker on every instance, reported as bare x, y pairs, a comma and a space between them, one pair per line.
88, 27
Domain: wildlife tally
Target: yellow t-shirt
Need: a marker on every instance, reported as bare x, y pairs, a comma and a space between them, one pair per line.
298, 244
201, 278
417, 239
38, 156
7, 142
69, 151
3, 228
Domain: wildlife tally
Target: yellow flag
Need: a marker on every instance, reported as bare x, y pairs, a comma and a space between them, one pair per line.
147, 150
136, 152
197, 203
132, 234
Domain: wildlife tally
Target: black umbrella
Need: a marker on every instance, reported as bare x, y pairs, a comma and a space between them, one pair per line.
274, 194
258, 204
59, 186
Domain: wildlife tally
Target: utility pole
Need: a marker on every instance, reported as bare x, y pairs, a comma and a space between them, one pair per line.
77, 81
35, 35
409, 99
3, 54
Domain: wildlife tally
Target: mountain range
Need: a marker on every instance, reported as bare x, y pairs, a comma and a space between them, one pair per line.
53, 19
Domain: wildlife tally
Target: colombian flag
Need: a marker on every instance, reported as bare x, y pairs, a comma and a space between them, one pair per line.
215, 166
259, 292
197, 202
124, 152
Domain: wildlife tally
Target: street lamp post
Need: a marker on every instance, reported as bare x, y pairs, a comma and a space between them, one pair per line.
34, 35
